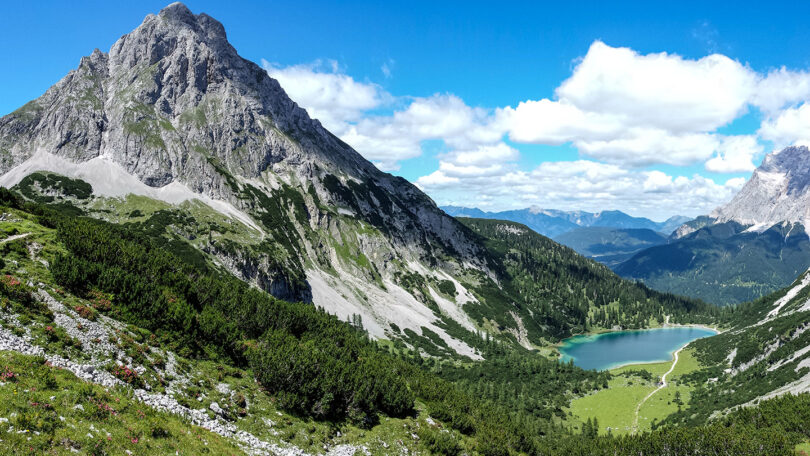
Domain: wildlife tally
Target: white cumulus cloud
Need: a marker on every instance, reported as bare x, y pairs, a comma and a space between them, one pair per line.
735, 154
624, 112
781, 87
660, 90
388, 139
790, 126
327, 94
584, 185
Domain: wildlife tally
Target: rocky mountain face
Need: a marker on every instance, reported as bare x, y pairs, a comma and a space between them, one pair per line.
778, 191
173, 112
173, 102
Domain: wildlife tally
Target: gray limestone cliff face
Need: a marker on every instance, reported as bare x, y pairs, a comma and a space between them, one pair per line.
68, 119
173, 101
778, 191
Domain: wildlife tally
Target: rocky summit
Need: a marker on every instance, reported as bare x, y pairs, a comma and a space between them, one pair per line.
173, 112
778, 191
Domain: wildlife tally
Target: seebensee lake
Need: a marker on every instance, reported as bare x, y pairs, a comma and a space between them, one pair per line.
618, 348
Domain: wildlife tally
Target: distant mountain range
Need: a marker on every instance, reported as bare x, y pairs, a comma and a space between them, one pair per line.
610, 246
609, 237
552, 222
754, 245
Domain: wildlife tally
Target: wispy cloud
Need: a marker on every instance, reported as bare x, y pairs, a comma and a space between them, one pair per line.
706, 34
387, 68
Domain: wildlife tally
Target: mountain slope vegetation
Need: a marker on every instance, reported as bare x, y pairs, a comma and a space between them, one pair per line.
724, 263
180, 314
527, 299
558, 290
763, 354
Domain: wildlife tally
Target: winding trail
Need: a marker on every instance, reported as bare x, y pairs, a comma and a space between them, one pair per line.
13, 238
663, 385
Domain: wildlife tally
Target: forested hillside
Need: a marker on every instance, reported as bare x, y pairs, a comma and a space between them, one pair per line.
537, 291
307, 362
556, 290
765, 353
724, 263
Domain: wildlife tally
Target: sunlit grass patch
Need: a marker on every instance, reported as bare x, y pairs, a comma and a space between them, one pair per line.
48, 410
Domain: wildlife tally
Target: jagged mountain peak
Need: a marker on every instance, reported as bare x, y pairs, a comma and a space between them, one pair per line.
174, 29
778, 191
794, 163
170, 98
172, 112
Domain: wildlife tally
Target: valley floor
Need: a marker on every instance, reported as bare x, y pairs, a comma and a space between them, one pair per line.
634, 399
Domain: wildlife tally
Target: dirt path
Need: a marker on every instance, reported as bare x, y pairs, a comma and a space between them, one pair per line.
663, 385
14, 238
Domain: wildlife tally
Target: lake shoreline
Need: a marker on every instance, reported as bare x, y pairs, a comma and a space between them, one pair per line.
664, 325
692, 325
641, 363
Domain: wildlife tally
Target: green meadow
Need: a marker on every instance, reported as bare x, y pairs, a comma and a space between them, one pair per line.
615, 407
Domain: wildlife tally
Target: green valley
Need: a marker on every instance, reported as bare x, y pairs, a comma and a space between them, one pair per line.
511, 382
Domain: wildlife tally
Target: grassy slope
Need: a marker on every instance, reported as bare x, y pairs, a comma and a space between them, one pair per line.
50, 411
202, 385
615, 406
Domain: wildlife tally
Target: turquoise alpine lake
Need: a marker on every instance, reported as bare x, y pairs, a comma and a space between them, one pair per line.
619, 348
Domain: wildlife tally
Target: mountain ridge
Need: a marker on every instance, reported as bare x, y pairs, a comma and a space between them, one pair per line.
746, 249
777, 192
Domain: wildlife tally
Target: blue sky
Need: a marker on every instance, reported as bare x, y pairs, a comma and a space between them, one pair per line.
433, 90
